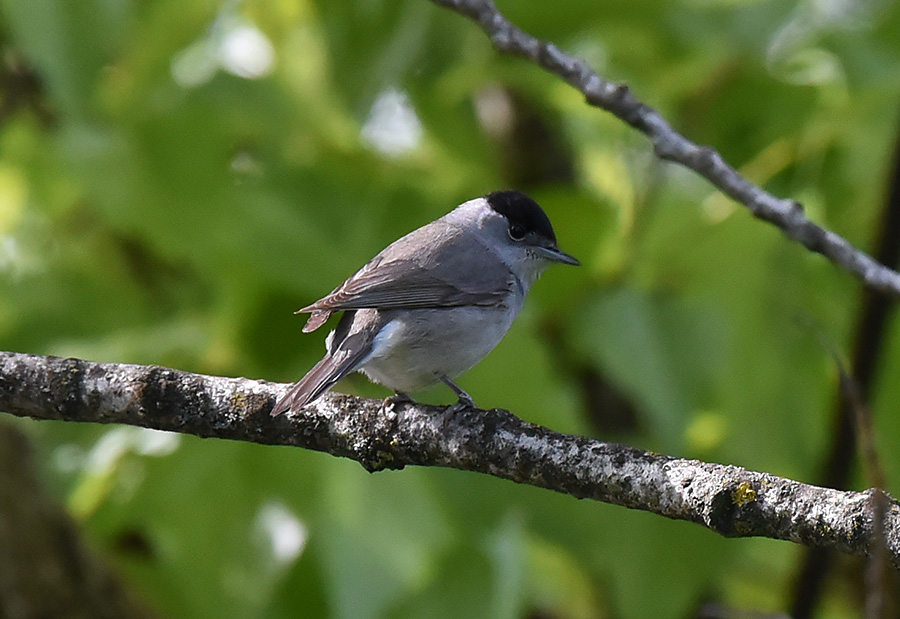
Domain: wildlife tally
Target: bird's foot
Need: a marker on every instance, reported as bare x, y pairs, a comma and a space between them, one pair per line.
465, 400
462, 404
391, 402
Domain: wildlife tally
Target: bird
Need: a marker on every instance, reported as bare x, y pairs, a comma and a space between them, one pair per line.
434, 303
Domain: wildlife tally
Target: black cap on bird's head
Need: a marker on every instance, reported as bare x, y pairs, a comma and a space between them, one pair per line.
522, 212
527, 218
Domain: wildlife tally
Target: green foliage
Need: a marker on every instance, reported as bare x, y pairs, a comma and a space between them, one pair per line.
160, 205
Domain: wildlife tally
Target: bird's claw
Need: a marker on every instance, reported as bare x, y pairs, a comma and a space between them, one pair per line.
464, 402
391, 402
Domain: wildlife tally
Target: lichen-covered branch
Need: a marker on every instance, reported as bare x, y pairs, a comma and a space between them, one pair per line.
670, 145
727, 499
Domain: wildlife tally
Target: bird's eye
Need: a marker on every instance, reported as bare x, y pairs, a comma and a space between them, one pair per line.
516, 232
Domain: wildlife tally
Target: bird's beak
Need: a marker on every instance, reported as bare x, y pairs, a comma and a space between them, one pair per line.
555, 254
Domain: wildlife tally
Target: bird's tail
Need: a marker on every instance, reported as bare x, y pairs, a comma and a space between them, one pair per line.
334, 366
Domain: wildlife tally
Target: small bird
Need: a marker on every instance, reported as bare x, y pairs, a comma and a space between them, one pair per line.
434, 303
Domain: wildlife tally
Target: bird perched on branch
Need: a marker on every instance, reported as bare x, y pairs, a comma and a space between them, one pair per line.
434, 303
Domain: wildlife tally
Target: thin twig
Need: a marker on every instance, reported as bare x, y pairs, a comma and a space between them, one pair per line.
672, 146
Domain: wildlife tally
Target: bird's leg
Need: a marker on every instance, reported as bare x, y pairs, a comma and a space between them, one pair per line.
465, 400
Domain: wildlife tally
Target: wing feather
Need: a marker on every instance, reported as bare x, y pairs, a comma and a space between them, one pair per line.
421, 270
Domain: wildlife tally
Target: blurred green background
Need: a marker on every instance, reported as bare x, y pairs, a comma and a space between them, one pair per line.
176, 177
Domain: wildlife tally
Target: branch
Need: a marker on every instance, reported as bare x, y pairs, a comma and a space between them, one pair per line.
672, 146
726, 499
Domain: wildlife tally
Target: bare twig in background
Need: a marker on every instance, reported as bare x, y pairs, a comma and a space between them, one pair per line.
870, 341
672, 146
729, 500
876, 572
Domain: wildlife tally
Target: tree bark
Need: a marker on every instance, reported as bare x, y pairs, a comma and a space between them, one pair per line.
730, 500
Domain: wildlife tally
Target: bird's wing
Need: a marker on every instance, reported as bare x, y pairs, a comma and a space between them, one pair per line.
421, 271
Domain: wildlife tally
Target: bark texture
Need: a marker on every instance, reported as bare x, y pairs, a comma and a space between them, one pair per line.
730, 500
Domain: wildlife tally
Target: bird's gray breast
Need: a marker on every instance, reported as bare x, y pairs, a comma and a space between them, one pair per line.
415, 348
